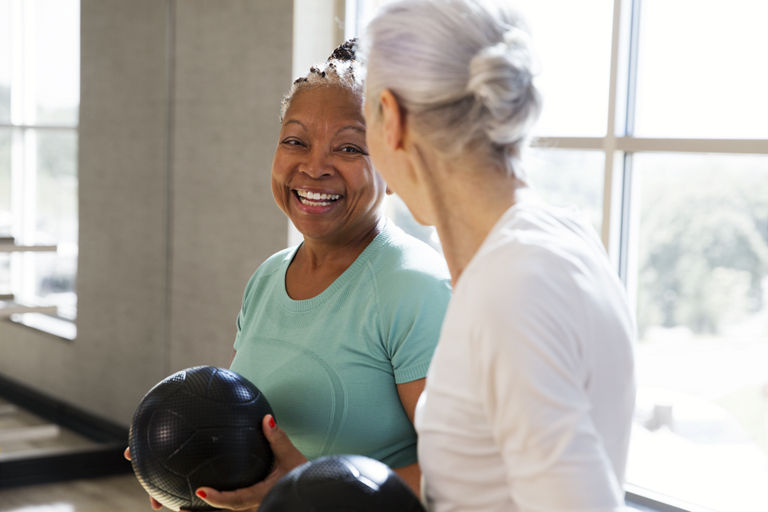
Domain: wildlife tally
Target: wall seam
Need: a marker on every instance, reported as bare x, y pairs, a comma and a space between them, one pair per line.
169, 162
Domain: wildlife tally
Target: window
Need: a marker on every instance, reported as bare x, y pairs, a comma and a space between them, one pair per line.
654, 125
39, 100
701, 260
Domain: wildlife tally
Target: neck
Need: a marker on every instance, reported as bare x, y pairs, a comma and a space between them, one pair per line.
314, 253
467, 198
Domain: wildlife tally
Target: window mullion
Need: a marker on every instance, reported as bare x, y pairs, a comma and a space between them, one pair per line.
28, 211
612, 181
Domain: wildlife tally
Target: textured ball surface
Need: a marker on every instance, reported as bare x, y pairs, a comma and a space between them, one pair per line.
341, 483
199, 427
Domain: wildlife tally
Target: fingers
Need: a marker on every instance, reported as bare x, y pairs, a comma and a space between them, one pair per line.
244, 500
127, 453
248, 499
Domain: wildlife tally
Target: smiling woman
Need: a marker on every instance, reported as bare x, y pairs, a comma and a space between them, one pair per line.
337, 332
322, 177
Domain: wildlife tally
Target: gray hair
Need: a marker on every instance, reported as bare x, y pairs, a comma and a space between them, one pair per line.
342, 69
462, 69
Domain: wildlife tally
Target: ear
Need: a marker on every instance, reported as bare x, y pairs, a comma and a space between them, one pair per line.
393, 119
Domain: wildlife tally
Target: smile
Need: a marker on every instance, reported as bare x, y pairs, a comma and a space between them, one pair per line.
316, 198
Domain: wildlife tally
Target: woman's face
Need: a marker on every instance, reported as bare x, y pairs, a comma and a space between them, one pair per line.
394, 167
322, 176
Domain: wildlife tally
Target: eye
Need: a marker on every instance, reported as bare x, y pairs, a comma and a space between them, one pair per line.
352, 149
292, 141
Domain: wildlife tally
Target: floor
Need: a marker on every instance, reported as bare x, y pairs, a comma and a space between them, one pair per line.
24, 434
115, 494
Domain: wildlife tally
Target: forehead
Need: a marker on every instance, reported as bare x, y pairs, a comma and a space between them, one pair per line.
326, 104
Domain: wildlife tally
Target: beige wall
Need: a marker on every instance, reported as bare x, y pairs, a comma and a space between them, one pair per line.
178, 121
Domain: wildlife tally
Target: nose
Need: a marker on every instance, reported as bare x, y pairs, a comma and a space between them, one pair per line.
317, 164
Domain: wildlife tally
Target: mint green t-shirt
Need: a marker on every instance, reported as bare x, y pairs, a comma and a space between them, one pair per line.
329, 365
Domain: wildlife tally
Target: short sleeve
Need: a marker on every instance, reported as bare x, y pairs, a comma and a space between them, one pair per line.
412, 306
254, 290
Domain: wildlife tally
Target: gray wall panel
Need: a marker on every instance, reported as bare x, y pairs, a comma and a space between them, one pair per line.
229, 81
178, 123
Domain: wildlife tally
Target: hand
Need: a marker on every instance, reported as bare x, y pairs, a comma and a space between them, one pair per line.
248, 499
152, 501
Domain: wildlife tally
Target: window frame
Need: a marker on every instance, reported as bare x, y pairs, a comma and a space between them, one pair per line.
619, 145
23, 127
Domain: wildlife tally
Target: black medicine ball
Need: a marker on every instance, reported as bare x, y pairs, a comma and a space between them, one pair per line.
199, 427
341, 483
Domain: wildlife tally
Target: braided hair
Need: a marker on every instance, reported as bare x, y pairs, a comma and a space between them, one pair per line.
341, 69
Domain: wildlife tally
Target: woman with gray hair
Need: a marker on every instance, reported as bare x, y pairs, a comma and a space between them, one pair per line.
529, 397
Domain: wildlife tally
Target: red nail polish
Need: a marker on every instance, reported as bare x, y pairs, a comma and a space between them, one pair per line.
271, 422
201, 493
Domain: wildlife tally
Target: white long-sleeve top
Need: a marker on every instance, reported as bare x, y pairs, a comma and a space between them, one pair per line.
530, 393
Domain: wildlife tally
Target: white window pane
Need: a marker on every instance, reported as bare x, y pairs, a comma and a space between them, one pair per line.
702, 303
54, 280
5, 61
573, 41
5, 274
569, 178
57, 61
56, 216
5, 207
395, 209
53, 275
5, 182
702, 69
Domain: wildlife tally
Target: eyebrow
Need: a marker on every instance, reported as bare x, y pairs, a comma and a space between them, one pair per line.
352, 127
295, 121
347, 127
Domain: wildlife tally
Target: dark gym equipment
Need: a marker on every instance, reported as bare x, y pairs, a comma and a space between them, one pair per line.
341, 483
199, 427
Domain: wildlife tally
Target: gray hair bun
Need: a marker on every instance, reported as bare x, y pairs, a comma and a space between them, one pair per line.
501, 80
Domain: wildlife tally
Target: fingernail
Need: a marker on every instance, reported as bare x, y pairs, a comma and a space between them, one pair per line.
271, 422
201, 493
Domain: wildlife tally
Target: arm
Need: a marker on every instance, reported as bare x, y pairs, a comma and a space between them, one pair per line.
409, 394
532, 371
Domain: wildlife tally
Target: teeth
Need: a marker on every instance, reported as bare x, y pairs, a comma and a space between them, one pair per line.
317, 196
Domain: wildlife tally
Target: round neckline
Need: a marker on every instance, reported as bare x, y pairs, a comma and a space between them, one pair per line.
351, 273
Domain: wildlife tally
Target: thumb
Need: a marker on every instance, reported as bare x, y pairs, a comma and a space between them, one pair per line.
287, 456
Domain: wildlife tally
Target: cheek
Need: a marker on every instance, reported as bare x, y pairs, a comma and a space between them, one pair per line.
279, 190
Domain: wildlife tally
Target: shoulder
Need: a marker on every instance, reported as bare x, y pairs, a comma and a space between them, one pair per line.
536, 278
271, 267
533, 269
402, 262
537, 249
